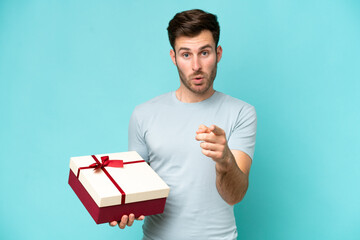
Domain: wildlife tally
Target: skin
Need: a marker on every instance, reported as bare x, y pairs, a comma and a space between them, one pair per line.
196, 59
232, 166
126, 221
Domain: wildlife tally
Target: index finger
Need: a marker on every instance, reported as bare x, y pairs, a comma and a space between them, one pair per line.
216, 130
203, 129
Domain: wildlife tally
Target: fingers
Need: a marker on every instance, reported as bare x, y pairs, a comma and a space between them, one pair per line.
212, 146
216, 155
206, 137
142, 217
211, 138
131, 220
203, 129
113, 223
214, 143
204, 133
212, 150
213, 128
216, 130
126, 220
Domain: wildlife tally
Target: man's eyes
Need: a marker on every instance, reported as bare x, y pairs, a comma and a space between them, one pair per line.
187, 55
204, 53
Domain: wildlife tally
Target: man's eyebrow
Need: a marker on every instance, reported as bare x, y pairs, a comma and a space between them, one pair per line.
188, 49
184, 48
206, 46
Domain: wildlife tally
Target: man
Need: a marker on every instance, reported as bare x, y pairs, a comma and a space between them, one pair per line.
200, 141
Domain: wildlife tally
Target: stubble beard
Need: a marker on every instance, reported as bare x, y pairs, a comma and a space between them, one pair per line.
208, 83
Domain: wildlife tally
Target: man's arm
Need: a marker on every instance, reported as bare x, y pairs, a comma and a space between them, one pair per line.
232, 166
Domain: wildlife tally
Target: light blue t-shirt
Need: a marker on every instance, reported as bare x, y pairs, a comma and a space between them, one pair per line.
163, 132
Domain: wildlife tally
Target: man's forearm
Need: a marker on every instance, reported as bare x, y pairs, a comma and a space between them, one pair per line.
231, 182
232, 166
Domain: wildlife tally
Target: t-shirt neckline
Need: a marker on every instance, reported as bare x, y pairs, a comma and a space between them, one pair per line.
177, 101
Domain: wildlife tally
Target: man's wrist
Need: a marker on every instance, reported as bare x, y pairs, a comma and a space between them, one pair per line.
226, 164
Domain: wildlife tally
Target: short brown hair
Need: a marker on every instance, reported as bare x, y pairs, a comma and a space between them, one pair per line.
191, 23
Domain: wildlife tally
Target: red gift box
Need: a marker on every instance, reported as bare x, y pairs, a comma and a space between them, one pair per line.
117, 184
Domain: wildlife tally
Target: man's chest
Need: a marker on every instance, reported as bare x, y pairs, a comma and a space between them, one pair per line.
173, 132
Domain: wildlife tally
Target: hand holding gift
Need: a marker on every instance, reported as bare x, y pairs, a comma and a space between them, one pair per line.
126, 221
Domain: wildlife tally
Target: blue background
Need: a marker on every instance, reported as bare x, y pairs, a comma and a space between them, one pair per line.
71, 72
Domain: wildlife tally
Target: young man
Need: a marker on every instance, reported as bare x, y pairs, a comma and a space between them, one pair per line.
200, 141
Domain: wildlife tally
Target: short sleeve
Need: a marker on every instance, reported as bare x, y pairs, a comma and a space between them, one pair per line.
244, 132
136, 136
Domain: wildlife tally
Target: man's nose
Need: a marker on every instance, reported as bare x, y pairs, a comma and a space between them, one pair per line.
196, 64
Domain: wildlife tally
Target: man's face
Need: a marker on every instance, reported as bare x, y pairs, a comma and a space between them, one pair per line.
196, 59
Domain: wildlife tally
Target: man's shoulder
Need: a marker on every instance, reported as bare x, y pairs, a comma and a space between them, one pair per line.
154, 103
234, 102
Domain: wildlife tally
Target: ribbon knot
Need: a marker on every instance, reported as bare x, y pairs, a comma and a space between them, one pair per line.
106, 162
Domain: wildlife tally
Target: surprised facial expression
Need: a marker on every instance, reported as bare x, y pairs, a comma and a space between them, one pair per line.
196, 59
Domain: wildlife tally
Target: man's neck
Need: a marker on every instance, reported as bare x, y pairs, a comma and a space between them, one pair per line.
186, 96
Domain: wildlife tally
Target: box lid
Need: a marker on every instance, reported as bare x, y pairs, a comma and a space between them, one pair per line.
138, 180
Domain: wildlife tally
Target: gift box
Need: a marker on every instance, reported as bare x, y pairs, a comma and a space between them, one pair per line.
117, 184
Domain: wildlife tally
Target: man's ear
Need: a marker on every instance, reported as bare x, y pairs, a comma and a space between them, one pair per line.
173, 57
219, 53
